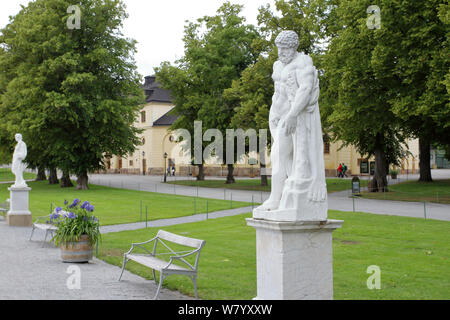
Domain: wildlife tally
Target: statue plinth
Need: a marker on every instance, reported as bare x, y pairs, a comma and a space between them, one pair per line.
299, 211
294, 259
19, 214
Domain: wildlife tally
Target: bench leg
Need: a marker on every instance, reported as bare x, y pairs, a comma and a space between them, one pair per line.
125, 260
32, 231
154, 276
161, 279
45, 239
194, 280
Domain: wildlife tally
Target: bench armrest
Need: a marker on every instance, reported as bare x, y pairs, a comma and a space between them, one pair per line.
38, 219
181, 258
139, 244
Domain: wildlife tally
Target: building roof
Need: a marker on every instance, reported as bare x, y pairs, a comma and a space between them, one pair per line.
166, 120
153, 91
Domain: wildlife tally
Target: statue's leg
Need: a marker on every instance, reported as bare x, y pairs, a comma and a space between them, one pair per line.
281, 157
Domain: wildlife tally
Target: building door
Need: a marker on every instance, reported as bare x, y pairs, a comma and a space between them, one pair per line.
144, 166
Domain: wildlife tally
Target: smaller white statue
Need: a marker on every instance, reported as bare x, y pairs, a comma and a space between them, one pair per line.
18, 166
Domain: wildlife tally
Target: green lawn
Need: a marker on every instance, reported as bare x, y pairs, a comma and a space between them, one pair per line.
413, 255
333, 184
115, 206
7, 175
436, 191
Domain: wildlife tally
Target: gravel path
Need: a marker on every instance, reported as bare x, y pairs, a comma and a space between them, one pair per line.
30, 270
173, 221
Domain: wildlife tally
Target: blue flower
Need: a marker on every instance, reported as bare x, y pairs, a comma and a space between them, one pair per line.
71, 215
89, 208
75, 203
58, 209
66, 202
85, 205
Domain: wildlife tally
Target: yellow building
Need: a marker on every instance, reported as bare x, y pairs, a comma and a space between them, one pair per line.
155, 119
334, 154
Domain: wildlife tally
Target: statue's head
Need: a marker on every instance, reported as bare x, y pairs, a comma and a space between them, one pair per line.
287, 44
18, 137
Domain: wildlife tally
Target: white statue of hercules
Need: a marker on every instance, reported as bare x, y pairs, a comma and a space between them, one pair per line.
298, 172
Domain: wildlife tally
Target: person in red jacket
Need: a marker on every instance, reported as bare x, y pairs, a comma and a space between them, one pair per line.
339, 169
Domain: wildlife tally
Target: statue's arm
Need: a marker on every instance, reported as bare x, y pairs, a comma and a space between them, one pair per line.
303, 95
274, 114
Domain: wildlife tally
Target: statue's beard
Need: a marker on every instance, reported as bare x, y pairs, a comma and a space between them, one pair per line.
286, 58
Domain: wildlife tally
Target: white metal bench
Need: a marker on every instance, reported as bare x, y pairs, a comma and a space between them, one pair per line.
43, 223
167, 268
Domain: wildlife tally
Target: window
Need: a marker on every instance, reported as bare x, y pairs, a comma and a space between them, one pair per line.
363, 166
131, 163
142, 116
326, 147
326, 144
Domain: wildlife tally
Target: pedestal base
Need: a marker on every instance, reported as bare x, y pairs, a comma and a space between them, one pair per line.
294, 259
19, 220
18, 214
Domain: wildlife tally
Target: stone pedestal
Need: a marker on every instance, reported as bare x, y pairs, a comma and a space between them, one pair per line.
294, 259
19, 215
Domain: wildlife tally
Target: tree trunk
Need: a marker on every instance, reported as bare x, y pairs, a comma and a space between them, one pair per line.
230, 178
53, 176
264, 181
65, 180
201, 173
41, 174
424, 160
379, 181
82, 181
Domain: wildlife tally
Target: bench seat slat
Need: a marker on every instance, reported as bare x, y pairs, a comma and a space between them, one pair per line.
45, 226
155, 263
175, 238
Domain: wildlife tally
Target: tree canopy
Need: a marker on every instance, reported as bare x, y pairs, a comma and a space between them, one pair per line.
73, 93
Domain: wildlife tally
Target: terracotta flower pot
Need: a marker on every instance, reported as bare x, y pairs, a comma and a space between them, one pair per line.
80, 251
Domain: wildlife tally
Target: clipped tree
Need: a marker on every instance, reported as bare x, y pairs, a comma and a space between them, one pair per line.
71, 90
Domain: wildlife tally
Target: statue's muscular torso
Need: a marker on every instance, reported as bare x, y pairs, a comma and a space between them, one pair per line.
287, 80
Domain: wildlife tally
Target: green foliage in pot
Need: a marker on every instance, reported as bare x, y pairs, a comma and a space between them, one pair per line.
73, 221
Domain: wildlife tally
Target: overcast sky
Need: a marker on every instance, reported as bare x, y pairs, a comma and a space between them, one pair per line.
157, 25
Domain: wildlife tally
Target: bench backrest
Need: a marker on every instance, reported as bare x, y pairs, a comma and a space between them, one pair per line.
185, 241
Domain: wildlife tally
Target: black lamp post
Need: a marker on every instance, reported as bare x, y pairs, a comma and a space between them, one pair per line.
165, 170
143, 168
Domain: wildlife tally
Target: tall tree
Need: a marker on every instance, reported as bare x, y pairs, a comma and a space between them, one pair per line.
217, 49
415, 48
74, 93
356, 93
251, 95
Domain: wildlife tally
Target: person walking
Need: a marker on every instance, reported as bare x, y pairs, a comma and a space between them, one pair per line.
339, 170
344, 170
